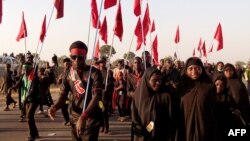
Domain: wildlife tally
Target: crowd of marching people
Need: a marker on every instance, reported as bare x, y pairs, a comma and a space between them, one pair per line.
175, 100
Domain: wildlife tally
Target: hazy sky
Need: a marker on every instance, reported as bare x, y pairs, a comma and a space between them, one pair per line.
196, 18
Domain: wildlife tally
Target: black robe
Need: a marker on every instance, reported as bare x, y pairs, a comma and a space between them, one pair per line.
152, 106
197, 112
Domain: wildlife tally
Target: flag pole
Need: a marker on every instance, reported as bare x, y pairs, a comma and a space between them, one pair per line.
91, 66
143, 41
37, 58
25, 45
110, 52
129, 47
89, 29
212, 44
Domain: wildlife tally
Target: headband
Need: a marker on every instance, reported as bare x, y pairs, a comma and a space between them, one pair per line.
78, 51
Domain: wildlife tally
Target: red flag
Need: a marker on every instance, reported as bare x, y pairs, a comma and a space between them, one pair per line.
1, 10
138, 33
204, 49
118, 29
104, 31
97, 50
23, 31
94, 14
137, 7
155, 50
218, 36
31, 75
211, 49
194, 52
43, 31
153, 27
59, 5
177, 36
109, 3
146, 23
199, 45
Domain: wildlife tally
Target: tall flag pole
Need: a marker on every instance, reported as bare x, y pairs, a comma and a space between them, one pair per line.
131, 42
23, 32
219, 37
42, 36
118, 31
1, 10
152, 29
92, 58
145, 28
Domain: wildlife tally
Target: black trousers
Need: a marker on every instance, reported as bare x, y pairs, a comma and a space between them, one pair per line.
65, 112
31, 109
89, 133
9, 99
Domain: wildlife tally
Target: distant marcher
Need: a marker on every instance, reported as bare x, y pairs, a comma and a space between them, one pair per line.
65, 107
237, 90
29, 87
6, 87
247, 78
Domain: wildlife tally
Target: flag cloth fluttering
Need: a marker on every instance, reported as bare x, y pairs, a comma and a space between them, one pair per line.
1, 10
177, 36
94, 14
59, 5
43, 31
152, 27
137, 7
23, 31
204, 49
146, 23
199, 45
97, 49
219, 37
138, 33
118, 28
109, 3
155, 50
194, 52
103, 32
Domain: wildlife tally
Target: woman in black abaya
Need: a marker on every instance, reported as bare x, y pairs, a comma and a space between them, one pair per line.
197, 94
152, 106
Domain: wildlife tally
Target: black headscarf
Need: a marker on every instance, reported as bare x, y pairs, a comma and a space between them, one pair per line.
185, 81
142, 97
149, 105
228, 65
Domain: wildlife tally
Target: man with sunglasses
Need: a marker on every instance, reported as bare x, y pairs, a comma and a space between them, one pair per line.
85, 124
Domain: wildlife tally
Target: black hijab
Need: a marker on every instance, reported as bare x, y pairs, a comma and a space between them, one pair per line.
185, 81
143, 97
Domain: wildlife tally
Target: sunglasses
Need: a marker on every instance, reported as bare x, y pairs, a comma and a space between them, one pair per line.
79, 57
